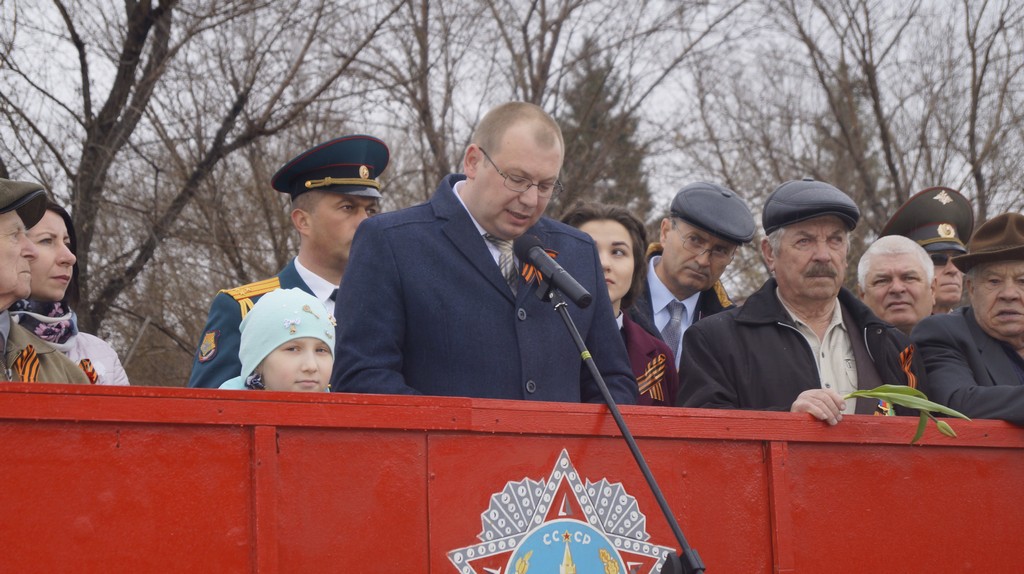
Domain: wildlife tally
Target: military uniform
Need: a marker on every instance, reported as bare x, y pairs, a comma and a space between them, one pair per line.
216, 358
346, 165
938, 219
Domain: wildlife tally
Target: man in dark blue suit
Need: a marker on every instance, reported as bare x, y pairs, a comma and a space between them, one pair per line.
333, 189
434, 301
975, 355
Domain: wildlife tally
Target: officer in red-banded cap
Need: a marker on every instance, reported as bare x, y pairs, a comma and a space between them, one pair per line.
333, 188
941, 220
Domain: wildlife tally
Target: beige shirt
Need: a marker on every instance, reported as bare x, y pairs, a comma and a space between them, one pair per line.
833, 355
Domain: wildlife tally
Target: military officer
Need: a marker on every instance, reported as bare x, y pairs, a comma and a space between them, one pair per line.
939, 219
333, 188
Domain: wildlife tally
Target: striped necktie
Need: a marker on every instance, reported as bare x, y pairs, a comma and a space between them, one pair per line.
672, 334
506, 262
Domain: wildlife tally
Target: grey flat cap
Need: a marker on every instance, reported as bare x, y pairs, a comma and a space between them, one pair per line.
800, 200
715, 209
28, 199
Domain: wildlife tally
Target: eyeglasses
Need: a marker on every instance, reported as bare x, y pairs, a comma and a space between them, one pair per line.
939, 259
521, 184
700, 245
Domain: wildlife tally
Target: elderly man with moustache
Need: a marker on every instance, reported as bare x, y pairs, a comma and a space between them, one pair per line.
975, 355
802, 341
26, 358
894, 277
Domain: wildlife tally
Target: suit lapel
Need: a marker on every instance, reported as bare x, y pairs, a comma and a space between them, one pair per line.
466, 238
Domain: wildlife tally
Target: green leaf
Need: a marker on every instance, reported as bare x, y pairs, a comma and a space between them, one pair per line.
921, 424
900, 389
910, 401
914, 399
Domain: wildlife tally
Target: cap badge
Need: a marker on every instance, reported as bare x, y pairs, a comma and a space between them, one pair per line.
364, 172
943, 198
946, 231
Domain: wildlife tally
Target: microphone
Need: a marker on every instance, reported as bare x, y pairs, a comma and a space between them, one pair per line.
528, 248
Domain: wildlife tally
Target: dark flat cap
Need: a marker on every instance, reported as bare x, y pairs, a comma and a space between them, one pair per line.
803, 199
349, 165
715, 209
28, 199
998, 239
937, 218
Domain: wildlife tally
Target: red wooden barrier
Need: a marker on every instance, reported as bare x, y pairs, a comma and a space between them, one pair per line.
177, 480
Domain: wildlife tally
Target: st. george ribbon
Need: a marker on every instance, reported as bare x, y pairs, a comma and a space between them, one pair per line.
528, 248
555, 283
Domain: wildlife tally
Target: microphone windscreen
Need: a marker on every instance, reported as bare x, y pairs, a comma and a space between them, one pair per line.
523, 244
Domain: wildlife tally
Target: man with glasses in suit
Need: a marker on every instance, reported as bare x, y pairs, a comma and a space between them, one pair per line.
439, 304
699, 238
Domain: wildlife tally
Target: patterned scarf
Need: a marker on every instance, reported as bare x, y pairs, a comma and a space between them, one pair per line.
52, 322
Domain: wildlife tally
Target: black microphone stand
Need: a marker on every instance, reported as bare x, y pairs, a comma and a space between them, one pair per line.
689, 562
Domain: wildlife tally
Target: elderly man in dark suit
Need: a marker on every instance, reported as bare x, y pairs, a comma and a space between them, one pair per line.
435, 303
975, 355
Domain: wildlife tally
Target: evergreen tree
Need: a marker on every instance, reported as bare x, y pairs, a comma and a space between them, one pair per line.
603, 160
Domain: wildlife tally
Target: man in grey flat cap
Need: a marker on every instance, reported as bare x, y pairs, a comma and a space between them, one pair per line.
802, 341
24, 357
699, 238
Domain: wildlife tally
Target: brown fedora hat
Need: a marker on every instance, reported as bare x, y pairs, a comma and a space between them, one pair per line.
998, 239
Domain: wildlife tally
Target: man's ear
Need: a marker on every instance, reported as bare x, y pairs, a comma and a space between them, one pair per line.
666, 226
766, 253
301, 221
472, 161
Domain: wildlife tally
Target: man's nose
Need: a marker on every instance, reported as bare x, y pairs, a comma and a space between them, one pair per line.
821, 251
28, 249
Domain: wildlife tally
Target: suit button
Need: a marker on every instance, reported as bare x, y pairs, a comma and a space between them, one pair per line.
531, 387
521, 313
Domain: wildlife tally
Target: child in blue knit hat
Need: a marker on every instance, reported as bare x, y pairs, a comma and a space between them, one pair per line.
287, 344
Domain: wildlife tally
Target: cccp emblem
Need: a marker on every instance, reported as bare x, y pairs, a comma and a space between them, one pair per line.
561, 525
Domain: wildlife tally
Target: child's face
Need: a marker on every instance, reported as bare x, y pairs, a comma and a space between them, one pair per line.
298, 365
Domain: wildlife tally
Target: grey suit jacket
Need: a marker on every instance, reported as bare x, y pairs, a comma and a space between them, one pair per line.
967, 369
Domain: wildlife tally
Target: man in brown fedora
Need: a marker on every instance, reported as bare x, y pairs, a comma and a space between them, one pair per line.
975, 355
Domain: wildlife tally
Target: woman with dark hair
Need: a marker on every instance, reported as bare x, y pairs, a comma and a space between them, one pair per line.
621, 243
47, 312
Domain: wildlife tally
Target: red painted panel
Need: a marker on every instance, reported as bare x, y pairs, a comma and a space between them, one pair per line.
95, 497
182, 480
351, 501
897, 509
717, 489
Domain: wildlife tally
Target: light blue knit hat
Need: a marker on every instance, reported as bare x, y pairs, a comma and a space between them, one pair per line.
278, 317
